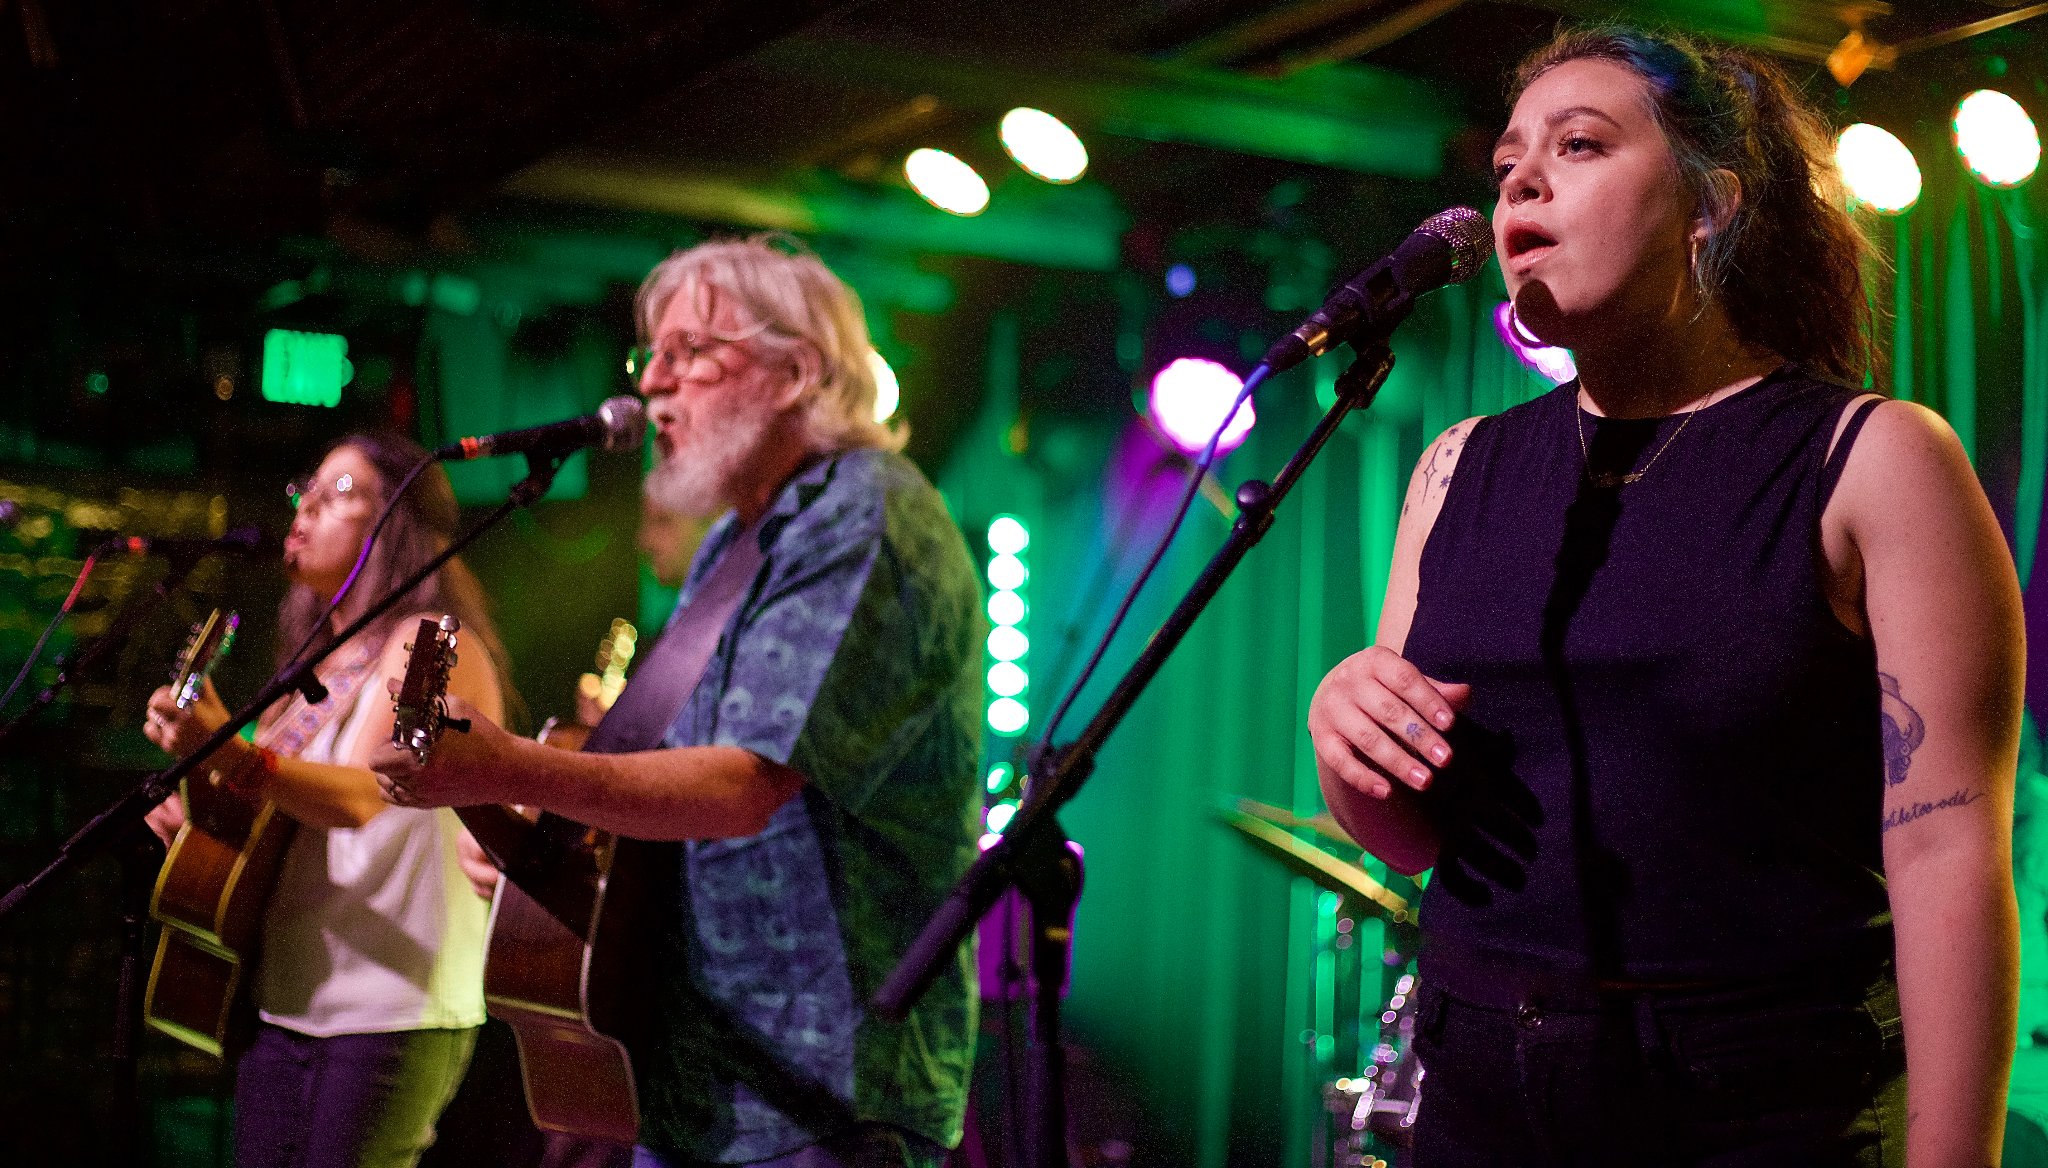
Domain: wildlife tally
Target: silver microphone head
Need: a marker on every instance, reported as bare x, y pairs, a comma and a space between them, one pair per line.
1470, 235
625, 422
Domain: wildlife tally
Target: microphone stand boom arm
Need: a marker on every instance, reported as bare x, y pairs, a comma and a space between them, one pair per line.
1032, 855
541, 468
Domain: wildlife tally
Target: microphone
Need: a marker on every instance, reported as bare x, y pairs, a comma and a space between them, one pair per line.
240, 541
10, 513
1449, 248
619, 424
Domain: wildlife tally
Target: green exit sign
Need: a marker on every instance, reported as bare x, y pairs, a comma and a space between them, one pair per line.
305, 369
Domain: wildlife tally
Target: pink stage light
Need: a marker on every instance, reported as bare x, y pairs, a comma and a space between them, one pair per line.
1554, 364
1188, 399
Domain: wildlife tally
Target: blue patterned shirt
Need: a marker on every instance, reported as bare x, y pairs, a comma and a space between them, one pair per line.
855, 660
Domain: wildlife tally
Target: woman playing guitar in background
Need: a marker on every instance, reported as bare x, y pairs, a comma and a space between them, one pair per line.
369, 986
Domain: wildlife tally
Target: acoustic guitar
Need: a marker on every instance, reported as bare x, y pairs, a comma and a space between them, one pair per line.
567, 967
210, 892
225, 860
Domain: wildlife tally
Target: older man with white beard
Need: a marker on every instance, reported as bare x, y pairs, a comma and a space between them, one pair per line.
814, 760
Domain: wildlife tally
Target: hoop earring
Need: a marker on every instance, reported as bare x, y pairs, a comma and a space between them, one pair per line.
1703, 291
1523, 336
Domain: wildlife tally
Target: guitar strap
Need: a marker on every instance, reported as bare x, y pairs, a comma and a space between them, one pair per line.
302, 721
669, 673
663, 681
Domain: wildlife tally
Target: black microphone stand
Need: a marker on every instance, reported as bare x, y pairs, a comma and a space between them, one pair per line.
1032, 855
71, 668
123, 819
140, 857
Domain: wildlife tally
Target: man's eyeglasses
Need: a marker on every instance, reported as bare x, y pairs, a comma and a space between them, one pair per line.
310, 493
681, 351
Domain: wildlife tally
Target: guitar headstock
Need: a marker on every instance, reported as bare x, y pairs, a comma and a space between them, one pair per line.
208, 642
422, 707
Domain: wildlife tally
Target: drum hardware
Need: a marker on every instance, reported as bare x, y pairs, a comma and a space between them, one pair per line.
1375, 1111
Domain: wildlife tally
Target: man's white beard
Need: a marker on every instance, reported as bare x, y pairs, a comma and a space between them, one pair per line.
698, 477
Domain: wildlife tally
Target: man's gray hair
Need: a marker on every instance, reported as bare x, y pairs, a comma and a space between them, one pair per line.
783, 290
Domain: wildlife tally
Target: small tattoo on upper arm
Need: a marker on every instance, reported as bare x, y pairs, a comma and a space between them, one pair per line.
1903, 730
1442, 456
1908, 813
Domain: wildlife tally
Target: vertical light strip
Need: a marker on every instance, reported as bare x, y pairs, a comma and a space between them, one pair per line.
1326, 1020
1008, 680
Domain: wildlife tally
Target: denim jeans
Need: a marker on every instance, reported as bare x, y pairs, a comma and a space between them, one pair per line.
868, 1145
347, 1101
1796, 1075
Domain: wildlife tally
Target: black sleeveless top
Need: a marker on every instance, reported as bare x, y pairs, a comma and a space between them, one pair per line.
1671, 767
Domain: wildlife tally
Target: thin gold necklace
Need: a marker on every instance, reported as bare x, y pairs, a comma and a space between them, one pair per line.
1608, 480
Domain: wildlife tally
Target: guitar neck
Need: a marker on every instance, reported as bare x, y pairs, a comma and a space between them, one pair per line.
504, 833
557, 862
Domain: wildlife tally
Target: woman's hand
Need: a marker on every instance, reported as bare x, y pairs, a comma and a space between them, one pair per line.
166, 818
483, 875
179, 732
1376, 721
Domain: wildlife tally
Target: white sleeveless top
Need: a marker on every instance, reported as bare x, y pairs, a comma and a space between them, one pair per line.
372, 929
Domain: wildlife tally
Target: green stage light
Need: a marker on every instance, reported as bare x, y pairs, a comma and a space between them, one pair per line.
1880, 171
946, 182
1008, 536
1007, 643
1006, 571
1996, 138
888, 391
1000, 815
1007, 679
1006, 608
306, 369
1043, 145
1000, 777
1008, 716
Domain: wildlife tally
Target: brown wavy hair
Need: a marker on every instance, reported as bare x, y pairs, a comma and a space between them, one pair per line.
1785, 259
419, 529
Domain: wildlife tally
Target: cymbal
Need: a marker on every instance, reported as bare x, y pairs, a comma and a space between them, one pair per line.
1343, 877
1322, 823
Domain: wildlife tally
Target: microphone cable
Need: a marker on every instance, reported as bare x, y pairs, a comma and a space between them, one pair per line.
362, 558
1115, 555
63, 610
1173, 526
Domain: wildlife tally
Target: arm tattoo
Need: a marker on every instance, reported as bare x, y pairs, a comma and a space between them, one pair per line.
1903, 730
1436, 473
1901, 816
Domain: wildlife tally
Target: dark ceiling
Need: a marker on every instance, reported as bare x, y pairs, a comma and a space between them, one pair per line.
204, 153
254, 119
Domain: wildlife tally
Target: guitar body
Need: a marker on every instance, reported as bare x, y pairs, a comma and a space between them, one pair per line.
214, 883
568, 968
210, 898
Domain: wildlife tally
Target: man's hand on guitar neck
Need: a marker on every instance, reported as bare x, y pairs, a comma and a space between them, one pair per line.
691, 792
465, 769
